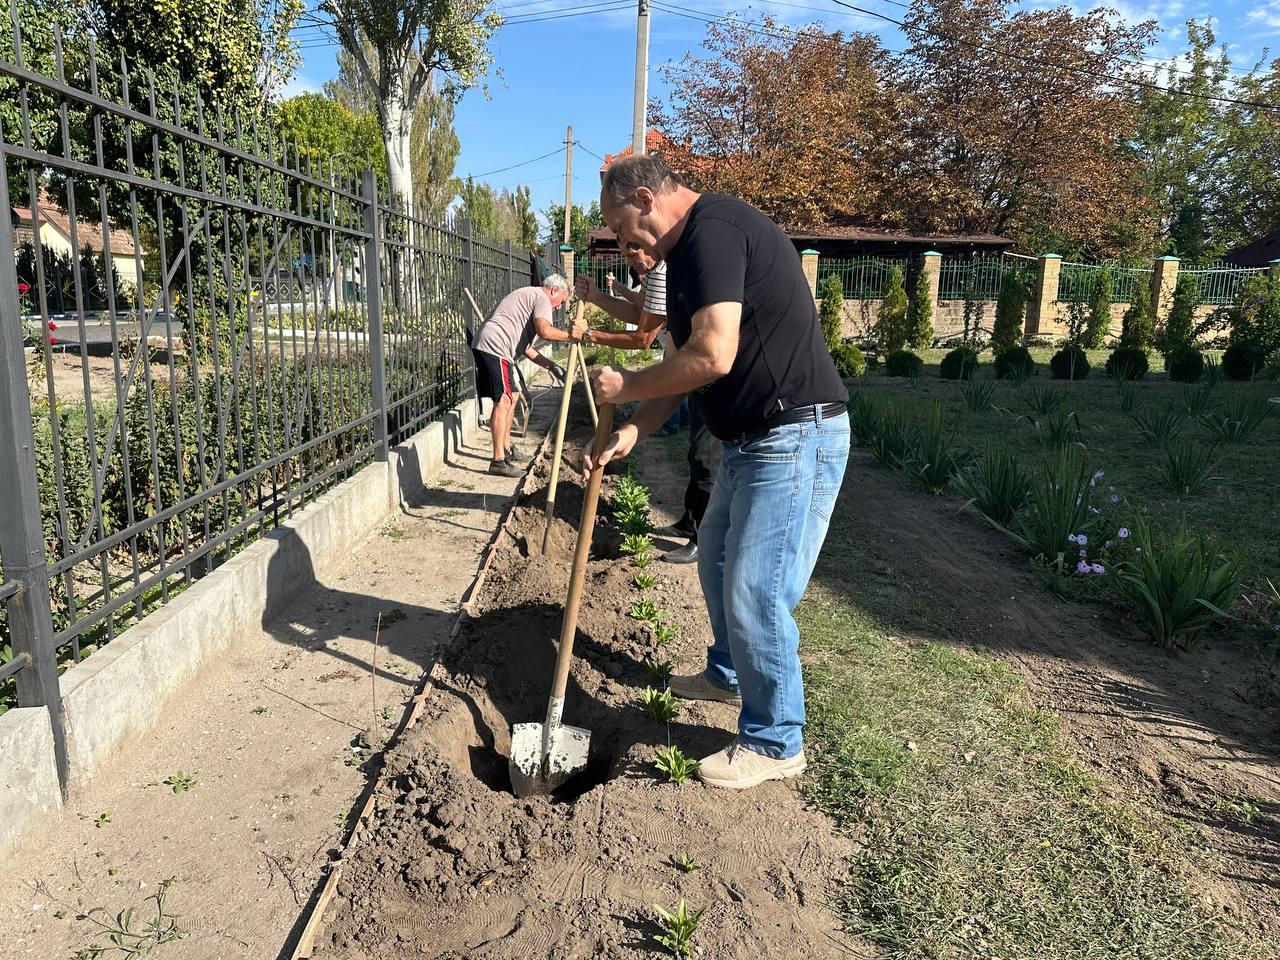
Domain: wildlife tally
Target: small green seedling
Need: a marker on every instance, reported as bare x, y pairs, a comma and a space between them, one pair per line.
180, 782
681, 925
674, 764
660, 673
647, 611
664, 633
636, 544
386, 713
129, 936
103, 820
660, 706
688, 864
643, 581
642, 560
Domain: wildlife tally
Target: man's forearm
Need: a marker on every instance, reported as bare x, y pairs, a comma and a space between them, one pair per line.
620, 308
652, 414
690, 368
630, 340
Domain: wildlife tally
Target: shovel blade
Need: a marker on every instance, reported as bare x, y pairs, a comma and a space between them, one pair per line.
531, 772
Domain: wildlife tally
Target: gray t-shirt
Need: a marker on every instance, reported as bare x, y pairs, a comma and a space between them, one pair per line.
510, 330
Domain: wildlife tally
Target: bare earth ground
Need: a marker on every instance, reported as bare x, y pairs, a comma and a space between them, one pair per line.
1183, 733
268, 735
453, 865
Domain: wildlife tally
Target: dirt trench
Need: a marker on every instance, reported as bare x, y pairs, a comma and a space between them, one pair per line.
452, 864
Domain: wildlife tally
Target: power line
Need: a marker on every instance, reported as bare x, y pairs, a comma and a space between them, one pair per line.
522, 163
581, 146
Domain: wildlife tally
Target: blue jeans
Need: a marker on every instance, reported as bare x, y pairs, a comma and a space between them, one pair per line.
757, 547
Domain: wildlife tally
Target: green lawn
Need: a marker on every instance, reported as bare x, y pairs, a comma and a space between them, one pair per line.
983, 834
1239, 507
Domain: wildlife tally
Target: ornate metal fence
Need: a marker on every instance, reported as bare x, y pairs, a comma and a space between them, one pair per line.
863, 278
1218, 283
284, 325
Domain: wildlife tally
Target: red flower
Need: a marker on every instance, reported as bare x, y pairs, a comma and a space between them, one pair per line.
23, 287
52, 325
53, 339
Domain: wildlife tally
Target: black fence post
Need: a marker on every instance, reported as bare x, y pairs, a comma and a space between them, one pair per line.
510, 272
377, 343
468, 255
22, 548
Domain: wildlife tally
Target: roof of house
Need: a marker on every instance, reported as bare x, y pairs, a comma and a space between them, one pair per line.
88, 233
654, 141
880, 235
1261, 252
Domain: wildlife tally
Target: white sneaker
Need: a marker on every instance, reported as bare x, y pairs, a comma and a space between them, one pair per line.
696, 686
737, 768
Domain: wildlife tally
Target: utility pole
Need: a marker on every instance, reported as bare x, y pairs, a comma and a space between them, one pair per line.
568, 180
639, 108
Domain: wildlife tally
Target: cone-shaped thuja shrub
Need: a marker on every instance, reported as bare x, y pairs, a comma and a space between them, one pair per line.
891, 325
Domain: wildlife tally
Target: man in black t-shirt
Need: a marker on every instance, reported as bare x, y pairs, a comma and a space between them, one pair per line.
751, 352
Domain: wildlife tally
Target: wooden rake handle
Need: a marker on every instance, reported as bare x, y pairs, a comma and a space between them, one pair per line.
578, 576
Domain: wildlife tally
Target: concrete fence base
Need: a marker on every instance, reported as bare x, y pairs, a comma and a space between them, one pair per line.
118, 694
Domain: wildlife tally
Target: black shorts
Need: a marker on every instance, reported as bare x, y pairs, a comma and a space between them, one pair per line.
495, 378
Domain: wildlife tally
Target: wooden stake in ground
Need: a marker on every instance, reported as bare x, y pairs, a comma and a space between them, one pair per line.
586, 383
570, 370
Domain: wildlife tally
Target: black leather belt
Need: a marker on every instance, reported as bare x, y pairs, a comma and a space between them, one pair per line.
814, 413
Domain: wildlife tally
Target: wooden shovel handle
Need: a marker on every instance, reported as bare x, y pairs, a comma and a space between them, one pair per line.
578, 576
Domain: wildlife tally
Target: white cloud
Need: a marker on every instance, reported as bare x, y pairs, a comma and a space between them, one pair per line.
297, 86
1268, 15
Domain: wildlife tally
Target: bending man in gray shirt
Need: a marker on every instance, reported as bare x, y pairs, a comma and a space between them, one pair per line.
519, 317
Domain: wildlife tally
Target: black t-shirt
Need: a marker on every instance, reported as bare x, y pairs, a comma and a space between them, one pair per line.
730, 252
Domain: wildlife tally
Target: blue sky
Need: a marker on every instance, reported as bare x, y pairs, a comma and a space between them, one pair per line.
578, 70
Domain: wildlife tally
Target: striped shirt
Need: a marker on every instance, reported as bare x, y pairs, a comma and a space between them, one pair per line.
654, 286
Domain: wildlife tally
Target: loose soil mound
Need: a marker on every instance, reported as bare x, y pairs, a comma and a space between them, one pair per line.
452, 864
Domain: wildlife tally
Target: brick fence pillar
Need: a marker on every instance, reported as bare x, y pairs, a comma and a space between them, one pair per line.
1164, 281
1040, 309
809, 263
930, 278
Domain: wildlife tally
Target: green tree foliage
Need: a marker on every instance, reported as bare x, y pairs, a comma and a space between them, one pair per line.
1138, 327
580, 224
1254, 317
324, 129
234, 53
920, 317
1180, 324
400, 50
831, 310
1010, 305
434, 145
1099, 308
891, 324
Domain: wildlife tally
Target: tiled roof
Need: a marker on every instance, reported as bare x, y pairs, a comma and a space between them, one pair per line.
89, 234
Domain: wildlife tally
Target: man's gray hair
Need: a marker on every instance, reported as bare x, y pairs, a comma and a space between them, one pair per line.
555, 283
627, 174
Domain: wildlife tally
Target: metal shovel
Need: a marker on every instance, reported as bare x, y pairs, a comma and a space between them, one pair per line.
545, 755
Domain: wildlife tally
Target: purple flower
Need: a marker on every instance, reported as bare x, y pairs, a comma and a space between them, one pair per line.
1123, 533
1082, 540
1098, 568
1094, 510
1098, 475
1084, 553
1082, 566
1115, 498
